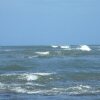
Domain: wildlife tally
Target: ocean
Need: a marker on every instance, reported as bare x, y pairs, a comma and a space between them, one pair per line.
50, 72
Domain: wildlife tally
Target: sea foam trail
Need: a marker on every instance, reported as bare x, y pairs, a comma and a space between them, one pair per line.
43, 53
84, 48
35, 56
44, 74
28, 89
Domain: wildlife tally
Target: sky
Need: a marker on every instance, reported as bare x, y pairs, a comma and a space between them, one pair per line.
49, 22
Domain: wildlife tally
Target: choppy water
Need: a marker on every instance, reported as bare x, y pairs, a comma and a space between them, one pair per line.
49, 73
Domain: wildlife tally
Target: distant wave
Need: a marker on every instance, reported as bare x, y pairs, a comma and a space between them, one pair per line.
6, 50
84, 48
54, 46
43, 53
66, 47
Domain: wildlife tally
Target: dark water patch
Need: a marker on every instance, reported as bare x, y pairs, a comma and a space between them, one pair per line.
14, 68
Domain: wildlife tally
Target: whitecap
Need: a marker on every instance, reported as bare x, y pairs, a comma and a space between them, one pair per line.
28, 77
18, 90
43, 74
43, 53
65, 47
30, 57
81, 89
84, 48
34, 84
54, 46
2, 86
12, 74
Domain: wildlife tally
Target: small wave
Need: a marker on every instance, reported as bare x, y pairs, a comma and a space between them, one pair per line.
84, 48
74, 90
18, 90
43, 53
54, 46
2, 86
81, 89
24, 76
35, 56
65, 47
8, 50
34, 84
28, 77
43, 74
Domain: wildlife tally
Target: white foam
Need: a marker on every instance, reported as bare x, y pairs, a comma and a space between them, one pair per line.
70, 90
43, 53
2, 86
54, 46
32, 76
34, 84
65, 47
19, 90
13, 74
28, 77
43, 74
30, 57
23, 88
84, 48
80, 87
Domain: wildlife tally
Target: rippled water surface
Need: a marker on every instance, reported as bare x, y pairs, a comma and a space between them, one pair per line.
50, 73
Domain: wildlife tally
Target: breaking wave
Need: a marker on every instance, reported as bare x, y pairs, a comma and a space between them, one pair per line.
28, 77
43, 53
54, 46
65, 47
44, 74
84, 48
24, 76
28, 89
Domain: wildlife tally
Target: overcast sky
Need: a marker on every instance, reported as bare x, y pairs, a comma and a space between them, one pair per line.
44, 22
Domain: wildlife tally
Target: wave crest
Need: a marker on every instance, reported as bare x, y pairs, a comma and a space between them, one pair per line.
54, 46
28, 77
84, 48
43, 53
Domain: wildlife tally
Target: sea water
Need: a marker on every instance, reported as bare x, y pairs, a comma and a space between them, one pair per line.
50, 72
